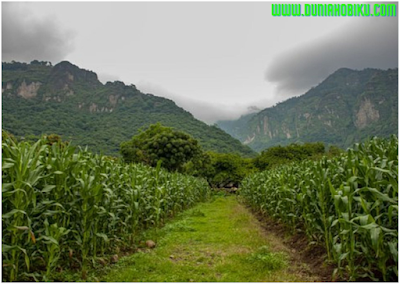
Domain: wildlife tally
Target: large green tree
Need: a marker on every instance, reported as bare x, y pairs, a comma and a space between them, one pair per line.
229, 168
279, 155
219, 169
159, 143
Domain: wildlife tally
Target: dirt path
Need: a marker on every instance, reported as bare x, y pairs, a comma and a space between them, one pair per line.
216, 241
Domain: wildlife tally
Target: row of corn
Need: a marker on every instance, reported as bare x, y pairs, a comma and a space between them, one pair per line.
348, 203
65, 208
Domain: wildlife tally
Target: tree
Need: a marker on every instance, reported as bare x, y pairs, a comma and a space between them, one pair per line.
229, 168
200, 166
279, 155
159, 143
220, 169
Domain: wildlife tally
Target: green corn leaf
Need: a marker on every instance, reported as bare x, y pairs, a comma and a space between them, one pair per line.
49, 239
103, 236
393, 247
375, 234
12, 213
343, 256
48, 188
7, 186
22, 228
7, 165
382, 196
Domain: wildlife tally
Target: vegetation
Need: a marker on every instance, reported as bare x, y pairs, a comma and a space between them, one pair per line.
73, 103
177, 151
237, 128
160, 144
218, 241
223, 169
347, 107
228, 169
68, 208
348, 203
279, 155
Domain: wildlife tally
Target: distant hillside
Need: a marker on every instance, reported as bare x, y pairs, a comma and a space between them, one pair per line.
39, 98
236, 127
347, 107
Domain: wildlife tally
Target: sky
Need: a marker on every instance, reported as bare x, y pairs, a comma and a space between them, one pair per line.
218, 60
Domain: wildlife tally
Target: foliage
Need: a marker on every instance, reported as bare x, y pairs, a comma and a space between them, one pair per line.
68, 208
74, 104
347, 107
220, 169
348, 203
236, 128
279, 155
228, 168
5, 135
158, 143
179, 152
334, 151
43, 63
200, 166
55, 139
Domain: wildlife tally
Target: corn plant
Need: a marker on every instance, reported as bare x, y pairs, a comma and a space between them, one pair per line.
65, 207
349, 204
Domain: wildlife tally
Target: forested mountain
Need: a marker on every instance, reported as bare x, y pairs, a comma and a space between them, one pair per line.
345, 108
236, 127
39, 98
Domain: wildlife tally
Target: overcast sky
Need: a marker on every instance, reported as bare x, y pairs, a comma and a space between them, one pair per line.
215, 59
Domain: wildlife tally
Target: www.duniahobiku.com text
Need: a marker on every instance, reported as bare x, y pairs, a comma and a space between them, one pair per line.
334, 10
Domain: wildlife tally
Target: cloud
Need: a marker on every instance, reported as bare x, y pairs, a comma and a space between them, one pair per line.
26, 37
105, 77
366, 43
208, 112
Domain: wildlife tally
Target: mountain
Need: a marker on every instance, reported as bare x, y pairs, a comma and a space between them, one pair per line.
39, 98
347, 107
235, 127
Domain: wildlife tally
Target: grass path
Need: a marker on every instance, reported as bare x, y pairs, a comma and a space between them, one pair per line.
216, 241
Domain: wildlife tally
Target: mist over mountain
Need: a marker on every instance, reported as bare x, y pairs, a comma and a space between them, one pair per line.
347, 107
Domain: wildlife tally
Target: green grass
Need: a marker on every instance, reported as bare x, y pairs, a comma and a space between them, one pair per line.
216, 241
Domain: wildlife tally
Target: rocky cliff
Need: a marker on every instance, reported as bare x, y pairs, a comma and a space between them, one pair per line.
347, 107
70, 101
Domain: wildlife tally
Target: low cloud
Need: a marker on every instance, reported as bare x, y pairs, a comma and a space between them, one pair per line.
26, 37
366, 43
208, 112
105, 77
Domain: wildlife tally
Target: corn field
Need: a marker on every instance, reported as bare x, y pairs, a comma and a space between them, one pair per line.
348, 203
68, 208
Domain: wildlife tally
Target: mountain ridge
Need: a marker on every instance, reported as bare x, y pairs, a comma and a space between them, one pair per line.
346, 107
65, 99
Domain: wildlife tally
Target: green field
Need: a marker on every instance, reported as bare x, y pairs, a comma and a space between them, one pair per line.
71, 215
63, 208
348, 203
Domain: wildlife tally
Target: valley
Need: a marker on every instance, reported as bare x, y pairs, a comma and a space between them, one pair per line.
347, 107
82, 198
193, 141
